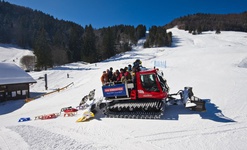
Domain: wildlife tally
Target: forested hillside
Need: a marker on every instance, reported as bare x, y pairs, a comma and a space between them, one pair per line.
208, 22
57, 42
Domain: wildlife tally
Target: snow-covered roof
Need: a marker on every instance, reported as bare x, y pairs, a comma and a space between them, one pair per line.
10, 73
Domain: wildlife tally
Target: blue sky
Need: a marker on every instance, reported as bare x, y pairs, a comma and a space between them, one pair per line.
104, 13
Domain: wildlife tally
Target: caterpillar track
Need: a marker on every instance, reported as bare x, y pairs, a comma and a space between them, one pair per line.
144, 109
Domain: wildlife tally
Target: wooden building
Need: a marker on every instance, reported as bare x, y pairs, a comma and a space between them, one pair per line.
14, 82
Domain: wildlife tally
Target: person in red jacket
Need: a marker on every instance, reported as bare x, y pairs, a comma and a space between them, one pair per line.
124, 75
127, 74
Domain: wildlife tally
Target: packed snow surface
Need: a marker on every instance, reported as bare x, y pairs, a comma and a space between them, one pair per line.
213, 64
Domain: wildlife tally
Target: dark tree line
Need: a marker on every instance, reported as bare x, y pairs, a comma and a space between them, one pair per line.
158, 37
117, 39
57, 42
199, 22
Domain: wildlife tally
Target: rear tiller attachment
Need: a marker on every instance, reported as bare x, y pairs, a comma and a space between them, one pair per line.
188, 99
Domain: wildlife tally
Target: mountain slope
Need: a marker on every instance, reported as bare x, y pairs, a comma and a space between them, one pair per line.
207, 62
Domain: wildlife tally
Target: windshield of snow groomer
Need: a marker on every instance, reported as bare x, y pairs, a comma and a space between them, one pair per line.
148, 82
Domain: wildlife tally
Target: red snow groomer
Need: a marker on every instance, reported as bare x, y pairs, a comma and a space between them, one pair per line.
144, 97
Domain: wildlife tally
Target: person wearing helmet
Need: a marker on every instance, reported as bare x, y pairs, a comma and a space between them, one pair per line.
137, 64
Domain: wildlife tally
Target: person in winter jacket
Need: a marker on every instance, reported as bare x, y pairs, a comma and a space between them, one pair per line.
116, 76
121, 75
127, 74
104, 78
137, 64
110, 74
129, 68
124, 75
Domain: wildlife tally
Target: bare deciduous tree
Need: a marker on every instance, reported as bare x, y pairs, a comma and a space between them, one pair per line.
28, 62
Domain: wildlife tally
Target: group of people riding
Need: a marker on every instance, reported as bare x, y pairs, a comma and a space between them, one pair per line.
126, 74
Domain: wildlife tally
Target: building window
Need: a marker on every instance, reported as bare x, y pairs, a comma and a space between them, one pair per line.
3, 86
13, 94
24, 92
1, 94
18, 92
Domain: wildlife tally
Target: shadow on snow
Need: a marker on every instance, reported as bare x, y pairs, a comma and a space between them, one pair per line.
10, 106
212, 113
120, 57
69, 68
176, 41
13, 105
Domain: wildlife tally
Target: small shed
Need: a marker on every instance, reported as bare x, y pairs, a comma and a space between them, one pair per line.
14, 82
